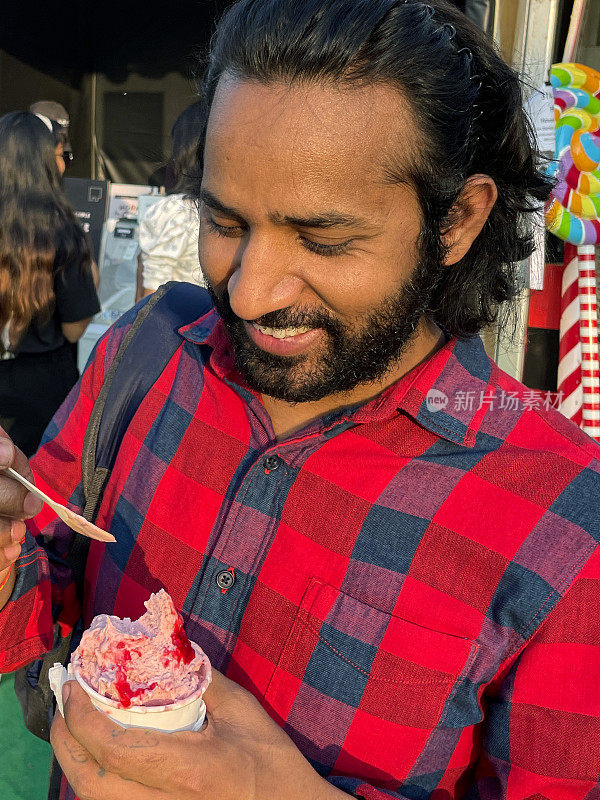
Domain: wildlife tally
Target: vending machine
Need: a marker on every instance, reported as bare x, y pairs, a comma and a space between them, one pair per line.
90, 202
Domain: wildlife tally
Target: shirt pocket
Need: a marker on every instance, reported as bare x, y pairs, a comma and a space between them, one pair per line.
360, 690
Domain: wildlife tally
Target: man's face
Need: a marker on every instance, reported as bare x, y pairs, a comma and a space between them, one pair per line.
309, 249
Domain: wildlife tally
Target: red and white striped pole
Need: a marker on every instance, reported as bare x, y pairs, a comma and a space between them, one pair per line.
588, 333
570, 389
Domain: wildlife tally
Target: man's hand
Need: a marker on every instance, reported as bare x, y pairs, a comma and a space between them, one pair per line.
240, 754
16, 504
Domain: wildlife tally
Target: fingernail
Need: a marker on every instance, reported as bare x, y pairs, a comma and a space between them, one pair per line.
31, 505
6, 453
66, 691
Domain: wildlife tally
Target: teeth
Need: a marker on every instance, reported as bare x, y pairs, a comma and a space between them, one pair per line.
280, 333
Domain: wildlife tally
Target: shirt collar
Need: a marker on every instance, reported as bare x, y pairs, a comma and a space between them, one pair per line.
451, 392
209, 331
446, 394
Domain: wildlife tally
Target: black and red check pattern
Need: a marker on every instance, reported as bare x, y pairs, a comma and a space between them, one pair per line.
416, 589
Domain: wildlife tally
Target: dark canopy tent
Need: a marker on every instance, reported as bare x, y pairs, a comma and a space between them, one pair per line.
123, 71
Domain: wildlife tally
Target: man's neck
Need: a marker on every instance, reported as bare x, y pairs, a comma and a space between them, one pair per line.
287, 418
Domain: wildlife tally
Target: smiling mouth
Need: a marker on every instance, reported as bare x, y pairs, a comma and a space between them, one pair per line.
280, 333
292, 341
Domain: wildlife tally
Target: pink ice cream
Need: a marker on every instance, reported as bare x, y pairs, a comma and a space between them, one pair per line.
148, 662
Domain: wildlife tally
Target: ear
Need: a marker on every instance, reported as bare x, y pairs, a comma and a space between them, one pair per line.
470, 213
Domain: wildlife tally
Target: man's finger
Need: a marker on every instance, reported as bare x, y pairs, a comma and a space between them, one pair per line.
15, 501
87, 777
11, 456
226, 700
12, 531
137, 754
7, 450
218, 690
12, 535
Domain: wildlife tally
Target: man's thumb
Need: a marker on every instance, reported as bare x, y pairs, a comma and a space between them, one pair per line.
220, 691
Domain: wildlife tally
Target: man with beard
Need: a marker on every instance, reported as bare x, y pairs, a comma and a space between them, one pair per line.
388, 552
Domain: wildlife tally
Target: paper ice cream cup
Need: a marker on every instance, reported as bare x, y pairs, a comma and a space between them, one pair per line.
186, 714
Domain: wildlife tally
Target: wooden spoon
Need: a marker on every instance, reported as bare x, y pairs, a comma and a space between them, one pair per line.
73, 520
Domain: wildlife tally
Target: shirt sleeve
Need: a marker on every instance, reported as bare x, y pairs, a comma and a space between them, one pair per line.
76, 296
542, 736
44, 592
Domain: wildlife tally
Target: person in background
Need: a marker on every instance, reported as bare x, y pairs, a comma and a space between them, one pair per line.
169, 231
59, 119
58, 115
478, 11
47, 279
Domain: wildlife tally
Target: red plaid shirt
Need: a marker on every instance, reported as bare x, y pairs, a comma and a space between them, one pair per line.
412, 588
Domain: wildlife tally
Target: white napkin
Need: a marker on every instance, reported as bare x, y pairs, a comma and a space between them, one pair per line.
57, 676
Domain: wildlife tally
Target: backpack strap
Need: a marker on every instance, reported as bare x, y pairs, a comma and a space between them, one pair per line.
145, 351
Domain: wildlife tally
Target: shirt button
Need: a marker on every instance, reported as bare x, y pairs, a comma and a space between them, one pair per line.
271, 463
225, 579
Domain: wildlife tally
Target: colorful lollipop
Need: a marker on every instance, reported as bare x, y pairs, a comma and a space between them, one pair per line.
574, 212
574, 216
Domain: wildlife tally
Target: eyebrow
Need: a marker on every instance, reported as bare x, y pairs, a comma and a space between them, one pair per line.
213, 202
329, 219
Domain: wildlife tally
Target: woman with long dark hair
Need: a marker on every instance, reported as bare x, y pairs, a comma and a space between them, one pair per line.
47, 279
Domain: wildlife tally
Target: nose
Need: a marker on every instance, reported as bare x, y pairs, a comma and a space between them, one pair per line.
264, 278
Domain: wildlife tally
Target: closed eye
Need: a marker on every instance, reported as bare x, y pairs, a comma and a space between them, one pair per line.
224, 230
235, 231
325, 249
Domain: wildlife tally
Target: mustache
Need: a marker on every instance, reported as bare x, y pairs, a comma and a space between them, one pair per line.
280, 318
293, 318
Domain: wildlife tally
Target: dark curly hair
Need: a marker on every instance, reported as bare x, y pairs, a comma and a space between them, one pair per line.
465, 99
185, 132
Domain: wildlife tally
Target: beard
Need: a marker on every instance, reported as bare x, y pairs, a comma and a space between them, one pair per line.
356, 354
